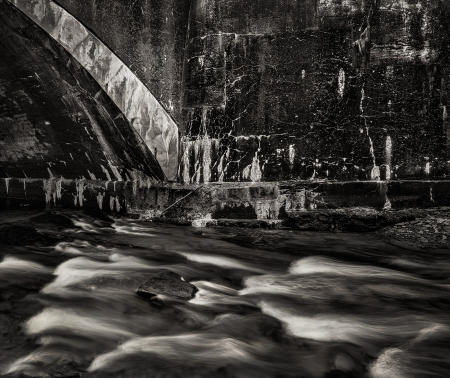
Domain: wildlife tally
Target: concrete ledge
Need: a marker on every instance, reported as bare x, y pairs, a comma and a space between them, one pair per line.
359, 205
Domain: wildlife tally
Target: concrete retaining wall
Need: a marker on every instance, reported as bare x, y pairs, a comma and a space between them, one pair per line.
293, 204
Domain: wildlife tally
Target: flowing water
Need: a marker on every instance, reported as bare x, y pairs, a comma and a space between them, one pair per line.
269, 304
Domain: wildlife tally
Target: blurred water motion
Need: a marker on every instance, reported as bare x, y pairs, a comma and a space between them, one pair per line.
269, 304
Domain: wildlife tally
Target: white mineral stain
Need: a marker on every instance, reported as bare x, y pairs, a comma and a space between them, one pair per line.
7, 180
388, 156
206, 163
291, 155
79, 196
47, 186
375, 171
341, 83
427, 168
253, 171
100, 197
200, 149
91, 175
52, 190
112, 200
221, 168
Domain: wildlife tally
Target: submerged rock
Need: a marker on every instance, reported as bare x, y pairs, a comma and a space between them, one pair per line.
166, 283
14, 234
53, 218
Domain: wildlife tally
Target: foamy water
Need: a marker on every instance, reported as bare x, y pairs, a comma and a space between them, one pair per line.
313, 264
200, 347
82, 247
62, 319
220, 261
131, 229
14, 265
210, 294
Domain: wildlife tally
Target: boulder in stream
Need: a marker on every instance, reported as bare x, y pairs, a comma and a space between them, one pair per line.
166, 283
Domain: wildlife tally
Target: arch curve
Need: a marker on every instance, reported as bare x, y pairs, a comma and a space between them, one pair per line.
130, 95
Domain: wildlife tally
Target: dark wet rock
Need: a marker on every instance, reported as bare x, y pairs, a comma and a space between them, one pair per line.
14, 343
118, 281
341, 374
248, 223
236, 211
5, 307
25, 234
98, 214
352, 219
53, 218
182, 221
166, 283
430, 230
14, 234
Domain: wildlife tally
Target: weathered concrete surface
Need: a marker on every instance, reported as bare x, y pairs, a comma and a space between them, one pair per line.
325, 206
285, 89
148, 36
55, 120
318, 206
144, 196
104, 196
130, 95
306, 89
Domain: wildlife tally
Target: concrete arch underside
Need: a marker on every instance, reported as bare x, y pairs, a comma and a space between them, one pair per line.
55, 119
129, 94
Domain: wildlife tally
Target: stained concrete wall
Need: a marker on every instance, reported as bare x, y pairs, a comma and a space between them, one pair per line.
55, 120
288, 89
148, 35
291, 89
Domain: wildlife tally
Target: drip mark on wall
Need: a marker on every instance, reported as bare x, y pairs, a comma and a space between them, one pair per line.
427, 168
375, 171
79, 196
52, 190
388, 157
291, 155
100, 197
7, 179
341, 83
